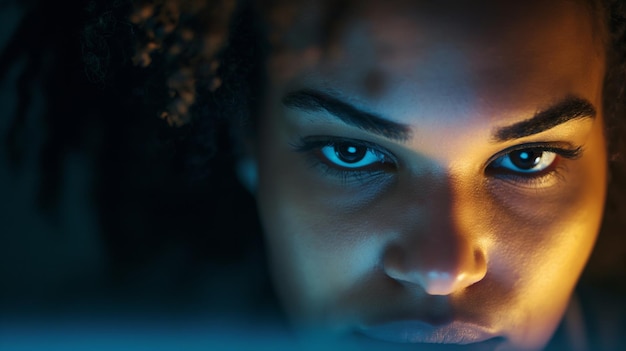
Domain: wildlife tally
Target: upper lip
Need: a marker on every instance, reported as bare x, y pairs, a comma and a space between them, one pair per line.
415, 331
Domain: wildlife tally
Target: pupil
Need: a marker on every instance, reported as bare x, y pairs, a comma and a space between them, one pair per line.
350, 153
525, 159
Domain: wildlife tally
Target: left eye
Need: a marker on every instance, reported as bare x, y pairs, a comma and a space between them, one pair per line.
351, 155
525, 160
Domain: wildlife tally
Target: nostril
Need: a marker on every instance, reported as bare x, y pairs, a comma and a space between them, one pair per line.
479, 270
393, 265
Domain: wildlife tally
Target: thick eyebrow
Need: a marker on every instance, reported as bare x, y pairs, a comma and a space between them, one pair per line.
313, 101
568, 109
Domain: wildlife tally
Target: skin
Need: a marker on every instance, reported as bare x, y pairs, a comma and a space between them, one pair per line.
437, 243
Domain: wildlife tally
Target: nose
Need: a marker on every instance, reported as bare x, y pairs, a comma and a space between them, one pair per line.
441, 263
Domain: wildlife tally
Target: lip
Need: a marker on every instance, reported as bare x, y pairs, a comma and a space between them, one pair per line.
414, 331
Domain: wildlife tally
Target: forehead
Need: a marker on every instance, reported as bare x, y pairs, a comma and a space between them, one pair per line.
398, 28
302, 22
407, 53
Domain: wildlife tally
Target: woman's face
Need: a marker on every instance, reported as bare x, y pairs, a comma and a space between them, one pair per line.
433, 173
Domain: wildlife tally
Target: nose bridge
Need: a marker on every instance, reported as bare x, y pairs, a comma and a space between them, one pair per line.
441, 253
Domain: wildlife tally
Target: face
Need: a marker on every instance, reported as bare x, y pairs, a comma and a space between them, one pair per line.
432, 173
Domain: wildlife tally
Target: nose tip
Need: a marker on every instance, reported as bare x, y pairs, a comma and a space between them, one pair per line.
437, 277
444, 283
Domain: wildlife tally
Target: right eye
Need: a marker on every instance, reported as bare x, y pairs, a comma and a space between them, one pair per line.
347, 155
347, 159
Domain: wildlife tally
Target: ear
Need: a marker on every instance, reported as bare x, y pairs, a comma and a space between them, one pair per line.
247, 173
243, 141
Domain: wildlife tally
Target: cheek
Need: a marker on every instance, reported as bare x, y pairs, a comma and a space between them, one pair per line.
532, 232
309, 244
318, 250
536, 255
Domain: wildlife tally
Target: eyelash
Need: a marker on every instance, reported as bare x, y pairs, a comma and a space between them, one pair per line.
313, 145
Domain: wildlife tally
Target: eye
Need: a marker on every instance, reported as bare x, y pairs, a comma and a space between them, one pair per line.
525, 161
348, 155
352, 161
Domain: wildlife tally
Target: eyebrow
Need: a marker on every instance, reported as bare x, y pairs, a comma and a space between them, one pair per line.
570, 108
313, 101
